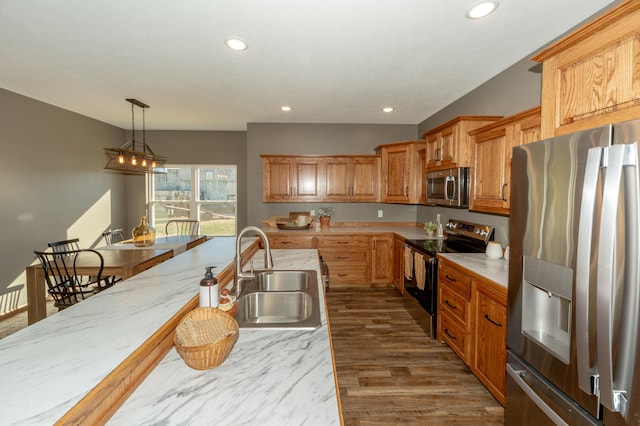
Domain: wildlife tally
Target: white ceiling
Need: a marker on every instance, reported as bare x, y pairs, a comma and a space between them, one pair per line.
333, 61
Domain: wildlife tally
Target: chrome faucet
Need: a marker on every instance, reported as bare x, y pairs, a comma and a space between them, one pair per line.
268, 260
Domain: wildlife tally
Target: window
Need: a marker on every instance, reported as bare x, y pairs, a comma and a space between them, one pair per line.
206, 193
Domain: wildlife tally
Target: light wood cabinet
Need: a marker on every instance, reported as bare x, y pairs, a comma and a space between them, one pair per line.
382, 259
348, 258
490, 336
401, 172
591, 77
491, 159
454, 298
398, 263
299, 178
472, 320
288, 241
448, 145
292, 179
353, 179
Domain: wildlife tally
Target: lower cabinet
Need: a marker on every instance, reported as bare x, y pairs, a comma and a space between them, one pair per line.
353, 259
472, 320
347, 257
398, 263
291, 241
381, 259
490, 332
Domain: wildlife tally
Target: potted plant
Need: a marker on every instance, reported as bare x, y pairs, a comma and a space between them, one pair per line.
325, 213
430, 227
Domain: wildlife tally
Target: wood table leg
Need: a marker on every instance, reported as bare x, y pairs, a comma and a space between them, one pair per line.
36, 298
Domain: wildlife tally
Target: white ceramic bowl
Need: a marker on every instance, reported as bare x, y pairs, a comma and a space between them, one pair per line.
494, 250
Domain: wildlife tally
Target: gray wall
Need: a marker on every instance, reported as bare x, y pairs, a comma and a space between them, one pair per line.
53, 185
514, 90
192, 147
327, 139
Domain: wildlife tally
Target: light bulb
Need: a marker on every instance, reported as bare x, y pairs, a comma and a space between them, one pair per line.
120, 159
144, 162
153, 164
133, 160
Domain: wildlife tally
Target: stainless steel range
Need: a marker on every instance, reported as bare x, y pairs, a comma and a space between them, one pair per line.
421, 280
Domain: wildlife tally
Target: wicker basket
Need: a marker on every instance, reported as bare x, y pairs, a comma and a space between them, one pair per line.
204, 337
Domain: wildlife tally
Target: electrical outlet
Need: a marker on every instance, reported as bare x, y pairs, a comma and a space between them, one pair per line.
312, 213
380, 213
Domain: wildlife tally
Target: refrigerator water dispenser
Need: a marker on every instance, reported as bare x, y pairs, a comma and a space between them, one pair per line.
546, 305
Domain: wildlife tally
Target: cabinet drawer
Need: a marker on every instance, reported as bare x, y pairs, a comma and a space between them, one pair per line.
346, 242
455, 280
348, 274
455, 336
351, 257
453, 303
291, 242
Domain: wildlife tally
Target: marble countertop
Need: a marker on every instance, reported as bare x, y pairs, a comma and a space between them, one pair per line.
271, 377
496, 270
49, 366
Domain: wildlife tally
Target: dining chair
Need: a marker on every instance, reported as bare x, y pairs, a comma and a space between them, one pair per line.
182, 227
65, 245
65, 284
113, 236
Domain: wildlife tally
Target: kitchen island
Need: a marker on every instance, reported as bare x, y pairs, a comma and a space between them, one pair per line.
279, 377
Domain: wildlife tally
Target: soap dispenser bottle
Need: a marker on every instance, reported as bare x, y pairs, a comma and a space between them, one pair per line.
209, 289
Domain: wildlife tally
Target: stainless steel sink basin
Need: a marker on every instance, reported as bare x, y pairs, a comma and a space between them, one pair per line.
269, 280
280, 299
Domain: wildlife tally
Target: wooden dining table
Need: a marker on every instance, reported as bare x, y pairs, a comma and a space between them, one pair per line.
123, 260
177, 243
122, 263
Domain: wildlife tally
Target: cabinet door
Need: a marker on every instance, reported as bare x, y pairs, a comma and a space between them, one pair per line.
308, 179
434, 151
338, 179
449, 145
395, 162
398, 263
365, 179
382, 259
490, 186
490, 354
277, 185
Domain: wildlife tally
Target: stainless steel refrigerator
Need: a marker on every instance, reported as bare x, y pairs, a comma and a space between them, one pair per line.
574, 296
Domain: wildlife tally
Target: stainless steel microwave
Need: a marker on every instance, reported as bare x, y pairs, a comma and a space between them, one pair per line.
448, 187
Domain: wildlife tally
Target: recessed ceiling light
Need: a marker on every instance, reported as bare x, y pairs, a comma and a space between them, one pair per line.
482, 9
235, 43
388, 109
286, 108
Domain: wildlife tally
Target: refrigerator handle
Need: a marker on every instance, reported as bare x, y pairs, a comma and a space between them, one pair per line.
587, 376
517, 376
619, 156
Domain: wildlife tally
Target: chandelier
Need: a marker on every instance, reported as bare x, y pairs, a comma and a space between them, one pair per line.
135, 157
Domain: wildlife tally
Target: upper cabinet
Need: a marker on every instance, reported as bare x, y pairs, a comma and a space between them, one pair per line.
292, 178
300, 178
401, 172
353, 179
448, 145
592, 76
491, 159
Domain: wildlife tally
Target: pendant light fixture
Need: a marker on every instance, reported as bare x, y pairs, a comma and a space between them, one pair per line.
135, 157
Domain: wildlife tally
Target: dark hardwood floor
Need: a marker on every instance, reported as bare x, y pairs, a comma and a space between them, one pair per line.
391, 372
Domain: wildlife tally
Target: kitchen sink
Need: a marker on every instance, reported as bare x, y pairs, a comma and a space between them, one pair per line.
269, 280
280, 299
